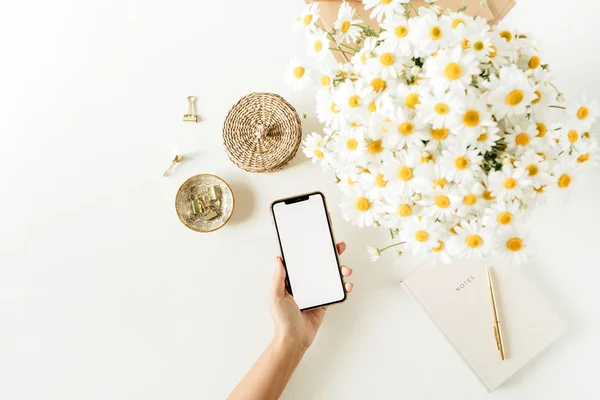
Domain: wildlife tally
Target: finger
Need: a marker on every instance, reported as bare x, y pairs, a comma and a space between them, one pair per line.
341, 247
346, 271
278, 280
349, 286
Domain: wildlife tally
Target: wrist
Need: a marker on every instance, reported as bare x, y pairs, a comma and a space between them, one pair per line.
288, 344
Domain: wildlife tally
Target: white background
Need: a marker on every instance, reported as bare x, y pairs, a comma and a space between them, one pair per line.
104, 294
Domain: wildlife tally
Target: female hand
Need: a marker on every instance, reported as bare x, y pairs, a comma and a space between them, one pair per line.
292, 326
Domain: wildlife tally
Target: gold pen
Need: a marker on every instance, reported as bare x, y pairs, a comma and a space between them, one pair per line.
497, 331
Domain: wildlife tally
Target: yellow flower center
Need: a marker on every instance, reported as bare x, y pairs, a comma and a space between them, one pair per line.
573, 136
474, 241
299, 72
439, 134
522, 139
426, 158
372, 107
406, 128
470, 199
318, 46
354, 101
488, 195
362, 204
439, 247
471, 118
461, 163
514, 244
378, 84
478, 45
412, 100
564, 181
421, 236
515, 97
374, 147
325, 80
440, 183
532, 169
308, 19
452, 71
435, 33
510, 183
385, 2
387, 59
504, 218
379, 181
541, 128
351, 182
351, 144
583, 158
493, 51
583, 112
538, 97
506, 35
334, 108
442, 201
465, 43
540, 189
404, 210
318, 153
441, 109
457, 22
345, 26
534, 62
405, 173
482, 138
401, 31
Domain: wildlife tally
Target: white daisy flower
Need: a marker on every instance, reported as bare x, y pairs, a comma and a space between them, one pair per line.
313, 147
375, 184
439, 109
511, 92
318, 43
521, 137
481, 44
404, 173
434, 33
349, 178
297, 74
386, 63
452, 69
420, 234
308, 18
440, 251
350, 146
406, 128
373, 253
536, 166
509, 182
472, 199
502, 215
439, 138
327, 111
352, 96
360, 209
474, 116
410, 95
461, 163
487, 139
545, 95
361, 58
564, 174
435, 176
384, 8
398, 209
441, 202
587, 151
584, 113
513, 244
399, 32
326, 78
471, 240
345, 26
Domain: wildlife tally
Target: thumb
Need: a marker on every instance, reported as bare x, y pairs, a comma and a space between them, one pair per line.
278, 280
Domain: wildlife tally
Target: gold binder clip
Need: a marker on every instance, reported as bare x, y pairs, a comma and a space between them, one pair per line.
191, 112
175, 161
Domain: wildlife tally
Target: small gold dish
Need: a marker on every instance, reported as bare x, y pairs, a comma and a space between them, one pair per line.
204, 203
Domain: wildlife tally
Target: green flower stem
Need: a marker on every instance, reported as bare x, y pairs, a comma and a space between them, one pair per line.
338, 48
341, 51
350, 47
414, 8
562, 108
390, 246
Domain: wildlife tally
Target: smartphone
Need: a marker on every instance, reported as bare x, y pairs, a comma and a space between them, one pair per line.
310, 258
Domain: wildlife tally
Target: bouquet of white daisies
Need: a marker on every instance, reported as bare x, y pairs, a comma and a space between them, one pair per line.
440, 127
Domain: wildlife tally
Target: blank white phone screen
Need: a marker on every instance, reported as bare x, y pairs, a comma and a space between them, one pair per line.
308, 252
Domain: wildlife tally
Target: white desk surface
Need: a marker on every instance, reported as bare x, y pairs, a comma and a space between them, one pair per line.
104, 294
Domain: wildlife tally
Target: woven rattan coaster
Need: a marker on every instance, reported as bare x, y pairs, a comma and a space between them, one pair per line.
262, 133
